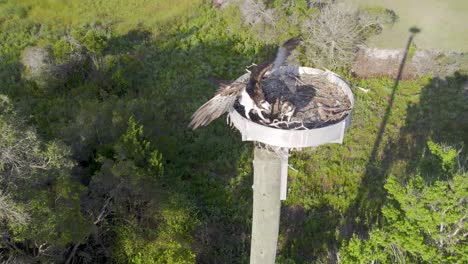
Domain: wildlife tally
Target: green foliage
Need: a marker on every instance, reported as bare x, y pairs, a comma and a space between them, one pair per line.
39, 175
15, 11
24, 154
170, 242
132, 166
140, 246
133, 146
94, 41
447, 157
62, 49
424, 223
55, 216
124, 169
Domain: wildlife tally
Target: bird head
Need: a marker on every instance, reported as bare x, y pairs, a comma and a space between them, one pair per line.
287, 106
265, 106
287, 110
292, 43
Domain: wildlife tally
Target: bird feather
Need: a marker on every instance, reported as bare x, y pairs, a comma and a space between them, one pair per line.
221, 103
227, 95
285, 50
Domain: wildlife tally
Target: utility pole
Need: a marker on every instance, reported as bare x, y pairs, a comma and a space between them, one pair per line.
266, 206
271, 163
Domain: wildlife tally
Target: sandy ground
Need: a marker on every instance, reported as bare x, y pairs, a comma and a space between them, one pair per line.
378, 62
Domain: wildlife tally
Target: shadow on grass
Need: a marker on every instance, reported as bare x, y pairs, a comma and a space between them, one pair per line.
209, 166
317, 228
439, 115
437, 111
307, 234
371, 194
213, 168
161, 82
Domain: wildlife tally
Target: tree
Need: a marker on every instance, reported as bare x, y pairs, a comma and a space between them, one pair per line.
332, 38
332, 30
130, 167
20, 149
39, 200
146, 217
424, 222
10, 211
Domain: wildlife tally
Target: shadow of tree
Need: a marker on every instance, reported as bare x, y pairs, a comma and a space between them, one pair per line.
208, 166
161, 82
439, 114
307, 234
431, 109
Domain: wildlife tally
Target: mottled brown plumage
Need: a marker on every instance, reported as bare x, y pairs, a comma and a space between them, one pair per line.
224, 99
254, 88
250, 94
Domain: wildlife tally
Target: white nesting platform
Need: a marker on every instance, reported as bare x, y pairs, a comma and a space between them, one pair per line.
252, 131
294, 139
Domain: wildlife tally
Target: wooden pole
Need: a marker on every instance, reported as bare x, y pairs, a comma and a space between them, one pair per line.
266, 206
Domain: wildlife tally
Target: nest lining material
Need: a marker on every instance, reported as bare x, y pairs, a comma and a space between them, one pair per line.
318, 101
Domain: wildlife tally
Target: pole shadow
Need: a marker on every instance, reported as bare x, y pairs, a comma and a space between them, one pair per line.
371, 194
439, 115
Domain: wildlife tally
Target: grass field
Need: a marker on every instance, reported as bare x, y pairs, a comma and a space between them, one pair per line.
125, 15
443, 24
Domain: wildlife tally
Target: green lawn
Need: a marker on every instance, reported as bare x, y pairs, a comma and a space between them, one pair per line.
442, 24
125, 15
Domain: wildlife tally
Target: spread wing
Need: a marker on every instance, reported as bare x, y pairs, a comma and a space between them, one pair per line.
285, 50
223, 100
254, 87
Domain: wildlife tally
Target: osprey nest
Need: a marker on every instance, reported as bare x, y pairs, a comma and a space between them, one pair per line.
302, 99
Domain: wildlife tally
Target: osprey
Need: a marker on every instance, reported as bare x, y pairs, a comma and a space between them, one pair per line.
287, 110
249, 94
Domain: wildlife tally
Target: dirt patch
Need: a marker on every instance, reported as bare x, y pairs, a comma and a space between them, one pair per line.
374, 62
36, 61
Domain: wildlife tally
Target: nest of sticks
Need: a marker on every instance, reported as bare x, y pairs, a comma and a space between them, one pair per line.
317, 101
